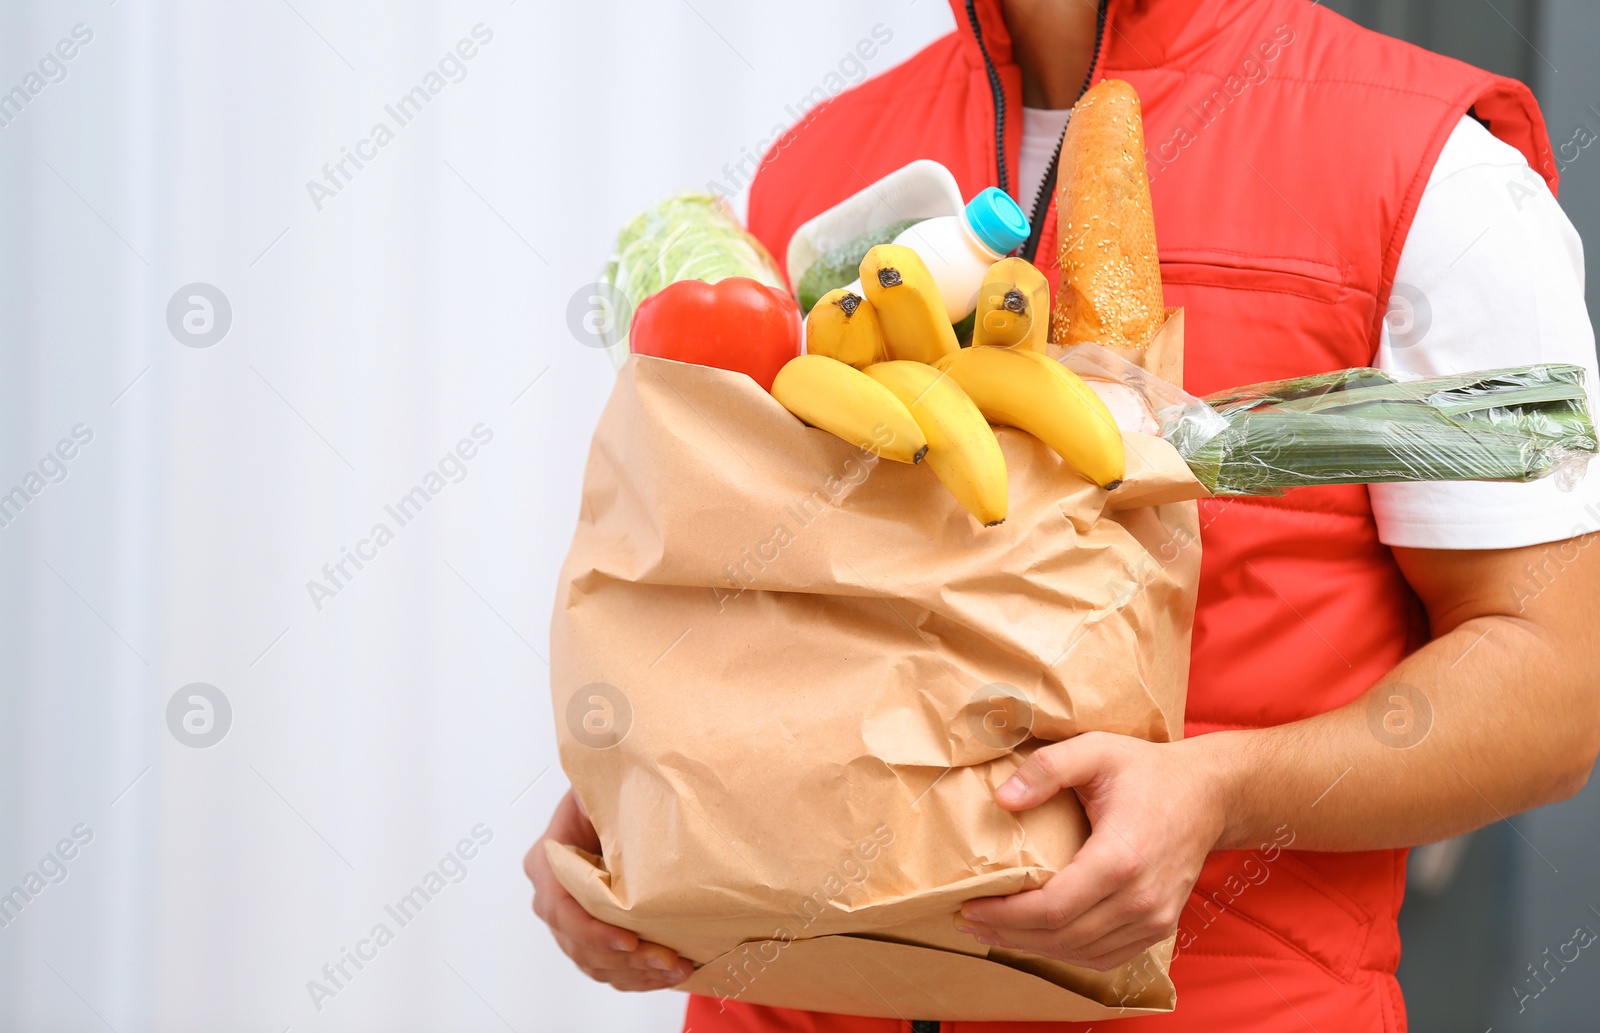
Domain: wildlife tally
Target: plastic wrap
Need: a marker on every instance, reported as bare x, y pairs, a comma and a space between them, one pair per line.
688, 237
1365, 426
1140, 401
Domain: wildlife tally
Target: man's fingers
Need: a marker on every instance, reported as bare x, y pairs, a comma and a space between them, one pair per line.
651, 964
1121, 956
559, 910
593, 943
1110, 928
1099, 922
1105, 953
634, 981
534, 862
1098, 871
1123, 943
568, 916
1107, 934
657, 958
602, 951
625, 977
1048, 771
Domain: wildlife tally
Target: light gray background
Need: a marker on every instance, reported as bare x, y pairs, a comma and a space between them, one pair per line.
367, 338
423, 299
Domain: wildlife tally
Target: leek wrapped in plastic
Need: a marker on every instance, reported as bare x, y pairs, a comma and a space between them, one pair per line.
1364, 426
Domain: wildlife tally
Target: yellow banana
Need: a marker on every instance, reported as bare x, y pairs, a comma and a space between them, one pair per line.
1035, 393
1013, 307
843, 325
910, 307
848, 404
962, 449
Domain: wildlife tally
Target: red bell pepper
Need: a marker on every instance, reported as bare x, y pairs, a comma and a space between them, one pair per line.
737, 324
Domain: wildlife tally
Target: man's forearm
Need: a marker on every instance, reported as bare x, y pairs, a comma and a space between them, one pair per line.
1493, 718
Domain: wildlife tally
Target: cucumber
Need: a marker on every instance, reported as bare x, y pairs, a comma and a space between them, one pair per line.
842, 266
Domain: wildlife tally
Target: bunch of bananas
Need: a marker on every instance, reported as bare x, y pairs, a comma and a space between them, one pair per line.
885, 372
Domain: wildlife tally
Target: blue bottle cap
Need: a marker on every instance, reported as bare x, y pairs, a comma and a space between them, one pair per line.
997, 220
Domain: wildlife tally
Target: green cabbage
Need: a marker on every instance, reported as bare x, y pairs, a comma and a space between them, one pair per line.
688, 237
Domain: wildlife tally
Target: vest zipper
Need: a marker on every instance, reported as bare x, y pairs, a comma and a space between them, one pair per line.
997, 92
1041, 202
1047, 186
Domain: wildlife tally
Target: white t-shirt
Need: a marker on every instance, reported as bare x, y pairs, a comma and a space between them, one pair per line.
1041, 134
1491, 275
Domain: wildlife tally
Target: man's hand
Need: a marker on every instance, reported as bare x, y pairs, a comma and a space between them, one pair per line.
1154, 814
604, 952
1513, 705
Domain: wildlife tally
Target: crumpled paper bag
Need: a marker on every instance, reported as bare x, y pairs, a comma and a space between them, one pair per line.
788, 677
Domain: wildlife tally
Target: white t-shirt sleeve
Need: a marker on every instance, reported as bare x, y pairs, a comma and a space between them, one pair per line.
1490, 276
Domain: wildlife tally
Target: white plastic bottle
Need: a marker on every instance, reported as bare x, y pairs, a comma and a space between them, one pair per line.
959, 249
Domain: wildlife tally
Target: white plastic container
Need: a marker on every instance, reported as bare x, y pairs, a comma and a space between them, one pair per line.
959, 249
923, 189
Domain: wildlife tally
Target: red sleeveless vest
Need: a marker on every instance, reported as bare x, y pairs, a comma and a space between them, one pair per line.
1288, 149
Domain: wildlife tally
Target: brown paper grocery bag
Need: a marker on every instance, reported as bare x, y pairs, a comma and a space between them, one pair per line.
788, 678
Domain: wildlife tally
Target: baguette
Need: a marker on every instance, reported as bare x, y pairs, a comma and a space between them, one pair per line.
1110, 275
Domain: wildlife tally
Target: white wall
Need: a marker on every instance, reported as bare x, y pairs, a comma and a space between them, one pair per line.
366, 339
